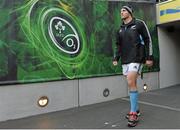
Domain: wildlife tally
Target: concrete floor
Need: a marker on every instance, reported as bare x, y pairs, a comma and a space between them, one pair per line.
160, 110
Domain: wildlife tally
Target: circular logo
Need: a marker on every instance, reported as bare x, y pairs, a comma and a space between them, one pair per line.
64, 35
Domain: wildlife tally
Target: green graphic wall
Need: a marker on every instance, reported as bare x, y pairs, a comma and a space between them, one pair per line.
45, 40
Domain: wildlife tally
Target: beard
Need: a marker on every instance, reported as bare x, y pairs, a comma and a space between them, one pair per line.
124, 18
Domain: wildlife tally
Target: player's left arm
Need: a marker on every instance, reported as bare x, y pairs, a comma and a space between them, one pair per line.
147, 42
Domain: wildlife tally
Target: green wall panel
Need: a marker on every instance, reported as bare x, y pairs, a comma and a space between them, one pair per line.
45, 40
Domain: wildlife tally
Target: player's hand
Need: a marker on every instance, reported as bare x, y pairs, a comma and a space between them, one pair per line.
149, 63
115, 63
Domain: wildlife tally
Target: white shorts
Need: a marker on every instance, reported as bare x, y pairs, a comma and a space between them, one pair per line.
132, 67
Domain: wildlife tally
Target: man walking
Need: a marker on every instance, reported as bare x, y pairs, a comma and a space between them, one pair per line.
134, 47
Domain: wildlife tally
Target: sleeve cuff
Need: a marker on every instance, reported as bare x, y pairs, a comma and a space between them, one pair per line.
150, 57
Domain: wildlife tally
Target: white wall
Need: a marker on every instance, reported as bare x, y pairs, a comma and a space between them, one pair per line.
91, 90
18, 101
169, 44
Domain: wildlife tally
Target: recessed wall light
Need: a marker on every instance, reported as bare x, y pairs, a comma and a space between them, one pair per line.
145, 87
43, 101
106, 92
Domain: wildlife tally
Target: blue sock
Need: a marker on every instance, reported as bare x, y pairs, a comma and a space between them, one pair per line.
133, 100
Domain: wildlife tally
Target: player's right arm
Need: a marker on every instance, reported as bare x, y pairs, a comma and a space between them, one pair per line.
117, 53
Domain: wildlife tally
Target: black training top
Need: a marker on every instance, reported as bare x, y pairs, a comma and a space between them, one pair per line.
134, 43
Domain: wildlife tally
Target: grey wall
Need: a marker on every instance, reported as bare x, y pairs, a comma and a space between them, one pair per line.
91, 90
169, 44
18, 101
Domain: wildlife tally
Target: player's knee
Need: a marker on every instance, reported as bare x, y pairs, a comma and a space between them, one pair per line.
131, 83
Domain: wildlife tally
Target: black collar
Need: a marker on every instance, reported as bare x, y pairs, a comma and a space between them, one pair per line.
130, 23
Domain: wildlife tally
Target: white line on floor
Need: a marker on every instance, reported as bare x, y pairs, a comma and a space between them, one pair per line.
155, 105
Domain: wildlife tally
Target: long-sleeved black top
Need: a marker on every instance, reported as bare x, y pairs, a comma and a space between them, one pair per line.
133, 44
